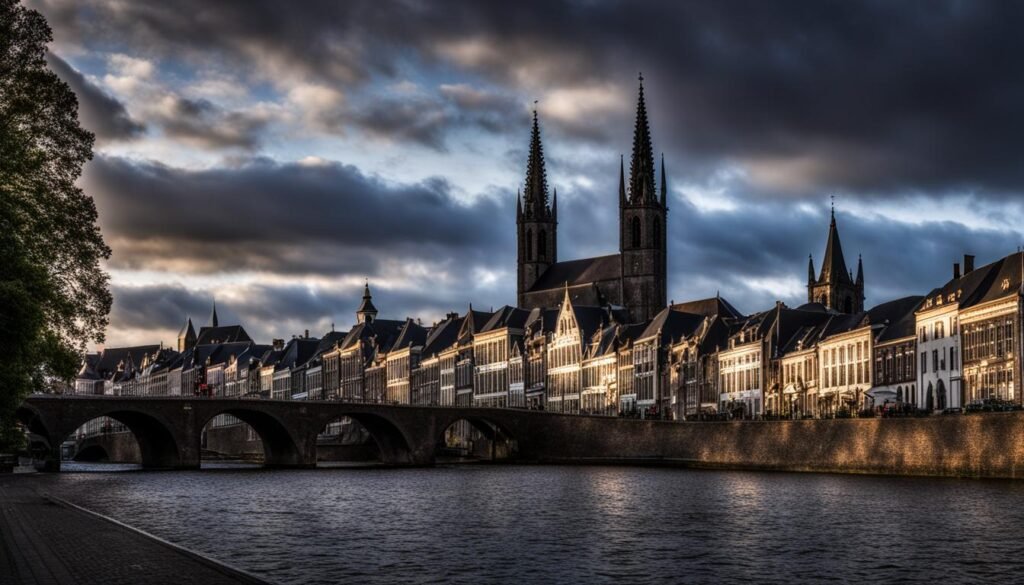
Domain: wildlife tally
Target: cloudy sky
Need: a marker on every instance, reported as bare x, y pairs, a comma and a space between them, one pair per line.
276, 157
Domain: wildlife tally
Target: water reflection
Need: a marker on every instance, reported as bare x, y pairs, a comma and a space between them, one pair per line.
478, 523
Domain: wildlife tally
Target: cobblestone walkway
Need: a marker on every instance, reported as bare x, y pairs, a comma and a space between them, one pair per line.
44, 542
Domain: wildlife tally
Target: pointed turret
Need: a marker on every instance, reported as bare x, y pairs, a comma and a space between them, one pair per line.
622, 182
213, 315
641, 167
366, 312
536, 220
833, 267
536, 193
860, 271
664, 183
810, 270
519, 205
835, 286
187, 336
642, 225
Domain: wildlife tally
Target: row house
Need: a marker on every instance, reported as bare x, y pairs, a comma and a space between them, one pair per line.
494, 346
990, 329
427, 378
694, 358
402, 358
539, 326
567, 348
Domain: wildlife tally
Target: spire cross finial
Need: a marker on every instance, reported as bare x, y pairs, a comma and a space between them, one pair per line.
833, 198
641, 76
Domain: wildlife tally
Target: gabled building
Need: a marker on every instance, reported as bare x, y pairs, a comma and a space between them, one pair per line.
493, 348
403, 357
990, 332
426, 379
575, 327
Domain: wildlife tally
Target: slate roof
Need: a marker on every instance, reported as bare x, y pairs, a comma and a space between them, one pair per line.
671, 325
442, 336
110, 357
225, 334
709, 308
507, 316
579, 272
988, 286
412, 334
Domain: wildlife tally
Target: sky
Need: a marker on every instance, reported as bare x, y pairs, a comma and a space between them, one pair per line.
274, 156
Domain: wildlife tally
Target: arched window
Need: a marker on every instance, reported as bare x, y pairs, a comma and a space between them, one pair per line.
636, 232
529, 244
542, 245
657, 232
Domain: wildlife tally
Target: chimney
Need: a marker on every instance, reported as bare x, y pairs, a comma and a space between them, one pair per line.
307, 334
968, 264
278, 343
956, 270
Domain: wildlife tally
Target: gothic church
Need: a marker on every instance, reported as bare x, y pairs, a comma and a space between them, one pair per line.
635, 278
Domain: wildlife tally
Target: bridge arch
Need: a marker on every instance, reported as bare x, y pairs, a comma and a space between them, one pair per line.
393, 444
281, 448
159, 448
502, 443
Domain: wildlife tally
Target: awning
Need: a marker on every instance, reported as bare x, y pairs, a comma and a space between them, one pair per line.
882, 394
790, 389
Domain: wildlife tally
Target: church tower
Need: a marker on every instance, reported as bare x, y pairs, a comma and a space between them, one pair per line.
642, 230
835, 287
536, 220
186, 337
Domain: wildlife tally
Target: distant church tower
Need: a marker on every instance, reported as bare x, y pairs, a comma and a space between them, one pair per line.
536, 220
187, 336
834, 287
642, 229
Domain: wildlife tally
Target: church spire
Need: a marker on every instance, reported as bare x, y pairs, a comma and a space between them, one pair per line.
664, 183
641, 167
810, 269
366, 312
536, 194
622, 182
833, 266
213, 315
860, 270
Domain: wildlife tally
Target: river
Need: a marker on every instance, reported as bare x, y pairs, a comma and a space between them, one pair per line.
547, 524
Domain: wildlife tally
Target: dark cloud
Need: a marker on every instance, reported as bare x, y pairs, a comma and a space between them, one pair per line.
98, 111
324, 218
204, 124
870, 97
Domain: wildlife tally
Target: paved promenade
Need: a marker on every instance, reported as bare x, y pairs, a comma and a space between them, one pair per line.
44, 541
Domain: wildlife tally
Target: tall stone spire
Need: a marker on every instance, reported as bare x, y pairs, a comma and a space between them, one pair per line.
536, 194
641, 167
664, 183
622, 182
810, 269
833, 266
860, 271
213, 315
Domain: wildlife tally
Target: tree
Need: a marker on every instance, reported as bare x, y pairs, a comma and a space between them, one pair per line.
54, 297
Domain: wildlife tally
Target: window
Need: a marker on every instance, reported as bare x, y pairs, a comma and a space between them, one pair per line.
935, 360
924, 362
529, 245
542, 245
636, 232
657, 232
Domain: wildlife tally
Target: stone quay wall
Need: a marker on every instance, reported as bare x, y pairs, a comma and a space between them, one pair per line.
984, 445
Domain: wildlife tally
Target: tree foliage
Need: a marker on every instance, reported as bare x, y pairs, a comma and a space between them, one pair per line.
54, 296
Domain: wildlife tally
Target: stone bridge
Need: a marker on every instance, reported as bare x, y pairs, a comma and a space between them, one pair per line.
168, 429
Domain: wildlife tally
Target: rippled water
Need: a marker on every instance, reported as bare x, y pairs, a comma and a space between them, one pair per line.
501, 524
